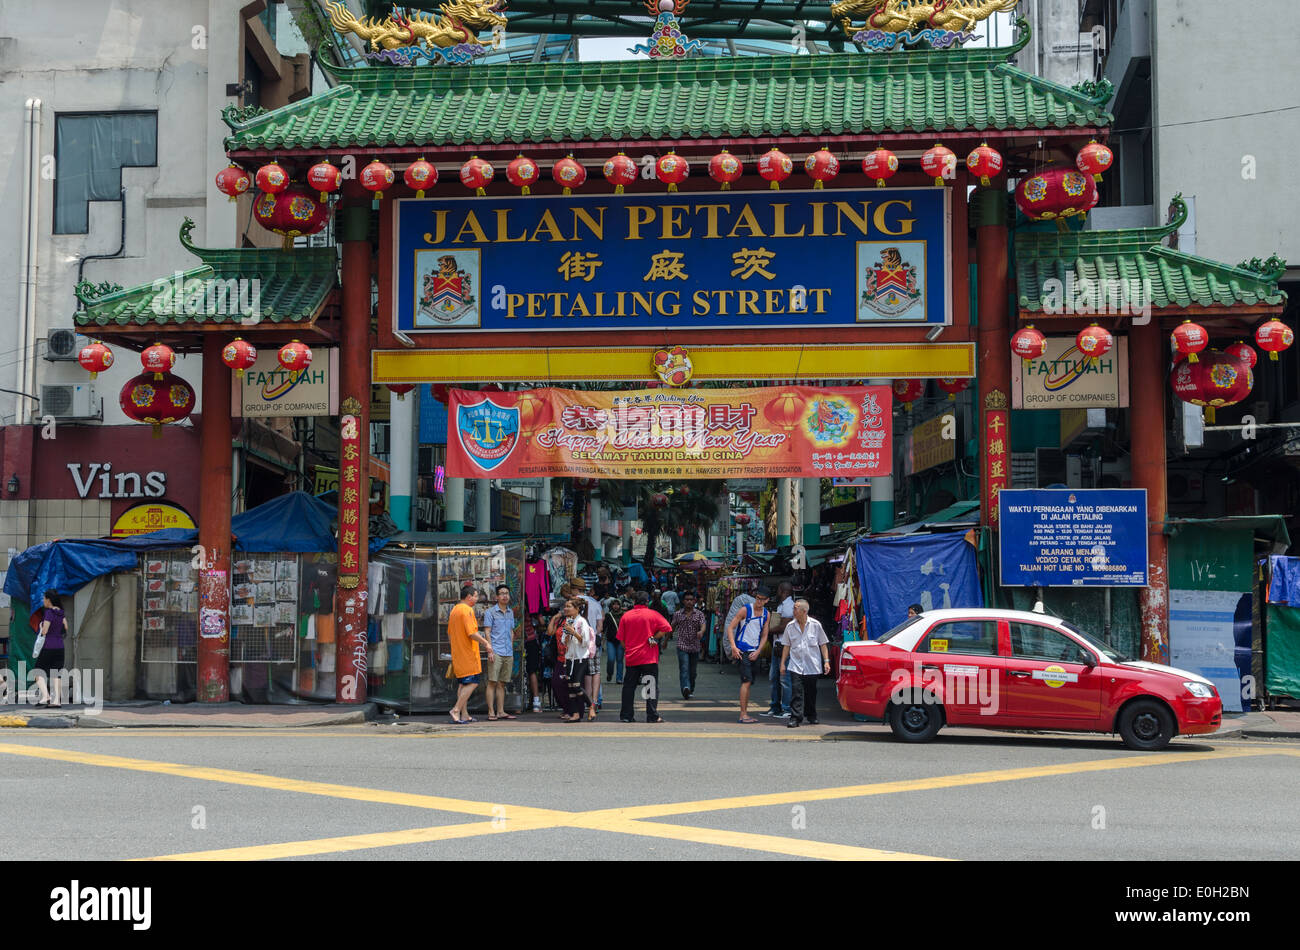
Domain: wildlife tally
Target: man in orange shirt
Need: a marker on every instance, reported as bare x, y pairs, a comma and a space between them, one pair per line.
462, 631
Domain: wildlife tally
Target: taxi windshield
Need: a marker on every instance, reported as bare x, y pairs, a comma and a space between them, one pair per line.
890, 634
1109, 652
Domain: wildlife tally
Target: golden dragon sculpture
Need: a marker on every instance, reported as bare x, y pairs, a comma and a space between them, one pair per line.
898, 16
461, 22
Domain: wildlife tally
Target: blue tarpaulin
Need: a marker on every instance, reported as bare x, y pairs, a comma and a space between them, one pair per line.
1284, 580
293, 522
935, 571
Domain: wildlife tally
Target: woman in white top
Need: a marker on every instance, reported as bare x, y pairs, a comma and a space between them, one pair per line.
579, 647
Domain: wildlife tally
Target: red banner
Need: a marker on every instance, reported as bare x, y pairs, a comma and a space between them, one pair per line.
775, 432
997, 457
350, 501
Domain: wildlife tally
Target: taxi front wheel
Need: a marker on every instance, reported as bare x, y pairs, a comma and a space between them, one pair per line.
916, 719
1146, 725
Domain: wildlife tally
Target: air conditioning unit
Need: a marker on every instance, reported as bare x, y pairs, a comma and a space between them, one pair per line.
62, 345
69, 401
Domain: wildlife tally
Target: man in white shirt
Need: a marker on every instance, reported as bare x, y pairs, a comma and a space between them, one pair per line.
672, 601
803, 653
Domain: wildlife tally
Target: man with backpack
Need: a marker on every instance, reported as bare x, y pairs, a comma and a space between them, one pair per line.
746, 635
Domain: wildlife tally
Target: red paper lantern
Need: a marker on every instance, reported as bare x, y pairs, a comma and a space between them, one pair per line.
880, 165
775, 167
325, 178
522, 173
376, 177
952, 386
1057, 192
158, 359
157, 401
534, 412
295, 357
939, 163
908, 391
233, 181
272, 179
1274, 336
1094, 341
1093, 159
984, 162
785, 410
239, 355
95, 358
1243, 352
1028, 343
1188, 339
725, 168
569, 173
441, 392
419, 176
671, 169
659, 500
294, 211
1215, 380
821, 167
477, 174
401, 389
619, 171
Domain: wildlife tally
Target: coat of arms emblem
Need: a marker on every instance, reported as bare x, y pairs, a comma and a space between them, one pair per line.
447, 293
891, 286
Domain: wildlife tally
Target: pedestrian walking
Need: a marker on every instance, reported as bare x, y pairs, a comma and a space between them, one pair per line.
579, 647
639, 631
746, 634
466, 665
688, 630
48, 661
782, 685
595, 615
500, 622
613, 647
803, 652
672, 600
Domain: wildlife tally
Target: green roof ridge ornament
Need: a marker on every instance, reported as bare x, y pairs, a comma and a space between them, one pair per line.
88, 293
1099, 91
238, 117
1271, 268
451, 38
1177, 214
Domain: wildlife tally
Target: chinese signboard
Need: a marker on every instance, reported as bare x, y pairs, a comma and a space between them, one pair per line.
997, 450
1063, 378
350, 501
268, 389
142, 519
777, 432
673, 261
929, 447
1071, 537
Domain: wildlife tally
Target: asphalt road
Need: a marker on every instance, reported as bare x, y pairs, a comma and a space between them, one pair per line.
708, 790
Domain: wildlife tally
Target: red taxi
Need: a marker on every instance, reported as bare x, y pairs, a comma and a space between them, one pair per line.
1013, 669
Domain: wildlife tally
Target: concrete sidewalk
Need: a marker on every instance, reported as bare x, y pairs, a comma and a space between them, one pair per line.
192, 715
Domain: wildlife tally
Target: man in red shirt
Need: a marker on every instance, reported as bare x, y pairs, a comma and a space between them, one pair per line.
641, 632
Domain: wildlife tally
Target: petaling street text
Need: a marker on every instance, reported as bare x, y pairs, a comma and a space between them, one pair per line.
667, 303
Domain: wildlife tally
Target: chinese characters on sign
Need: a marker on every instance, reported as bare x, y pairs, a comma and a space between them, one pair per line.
997, 451
786, 431
350, 501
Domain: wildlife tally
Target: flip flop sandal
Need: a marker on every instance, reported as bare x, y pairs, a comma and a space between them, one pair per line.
747, 720
492, 718
507, 717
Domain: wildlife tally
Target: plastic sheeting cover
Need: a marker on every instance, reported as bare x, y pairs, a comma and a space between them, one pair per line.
934, 571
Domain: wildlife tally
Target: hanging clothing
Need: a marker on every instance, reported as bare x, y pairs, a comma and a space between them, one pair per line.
537, 586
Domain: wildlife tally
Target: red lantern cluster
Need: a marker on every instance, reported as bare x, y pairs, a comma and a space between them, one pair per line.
569, 174
1093, 159
1244, 352
477, 174
1274, 337
419, 176
239, 355
619, 171
233, 181
158, 359
1028, 343
821, 167
522, 173
908, 391
157, 401
325, 178
880, 165
1213, 381
295, 357
984, 162
1188, 339
940, 163
725, 168
95, 358
672, 169
377, 176
292, 212
1057, 192
1094, 341
272, 179
775, 167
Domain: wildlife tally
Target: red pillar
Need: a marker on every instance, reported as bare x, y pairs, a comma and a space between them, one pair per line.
1147, 372
353, 222
989, 208
214, 527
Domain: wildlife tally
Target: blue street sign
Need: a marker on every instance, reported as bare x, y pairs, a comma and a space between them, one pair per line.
1073, 537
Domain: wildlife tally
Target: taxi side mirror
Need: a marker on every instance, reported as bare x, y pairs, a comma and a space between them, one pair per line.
1089, 661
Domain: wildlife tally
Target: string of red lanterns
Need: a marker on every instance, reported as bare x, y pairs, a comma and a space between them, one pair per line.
1094, 342
725, 168
419, 176
522, 173
775, 167
569, 173
95, 358
1274, 337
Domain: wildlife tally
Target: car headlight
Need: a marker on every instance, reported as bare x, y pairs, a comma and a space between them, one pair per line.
1199, 689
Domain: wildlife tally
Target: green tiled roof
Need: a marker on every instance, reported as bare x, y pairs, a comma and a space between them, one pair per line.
1176, 279
712, 98
292, 287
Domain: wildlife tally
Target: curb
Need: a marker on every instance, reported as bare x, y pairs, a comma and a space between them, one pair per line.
351, 718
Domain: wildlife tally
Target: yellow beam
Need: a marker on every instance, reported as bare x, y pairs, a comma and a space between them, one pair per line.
849, 362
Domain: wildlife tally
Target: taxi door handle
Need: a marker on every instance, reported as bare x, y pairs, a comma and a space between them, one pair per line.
929, 666
1021, 673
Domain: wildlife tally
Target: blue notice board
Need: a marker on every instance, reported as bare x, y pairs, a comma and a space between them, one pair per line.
690, 261
1073, 537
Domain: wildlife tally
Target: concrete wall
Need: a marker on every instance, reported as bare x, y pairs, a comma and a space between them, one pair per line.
1052, 51
1203, 71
